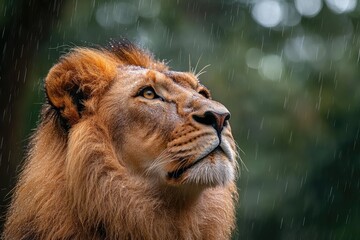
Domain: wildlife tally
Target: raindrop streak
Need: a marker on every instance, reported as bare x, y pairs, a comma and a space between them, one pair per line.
290, 137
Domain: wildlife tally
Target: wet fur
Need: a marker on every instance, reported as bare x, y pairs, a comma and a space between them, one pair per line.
72, 185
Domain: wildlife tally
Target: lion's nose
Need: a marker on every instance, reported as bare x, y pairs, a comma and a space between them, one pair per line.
214, 119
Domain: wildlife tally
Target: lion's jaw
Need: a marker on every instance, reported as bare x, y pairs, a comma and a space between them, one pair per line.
164, 140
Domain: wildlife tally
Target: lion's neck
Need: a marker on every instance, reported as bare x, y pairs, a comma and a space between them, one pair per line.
179, 196
130, 206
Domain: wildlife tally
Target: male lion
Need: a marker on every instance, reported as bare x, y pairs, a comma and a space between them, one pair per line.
126, 149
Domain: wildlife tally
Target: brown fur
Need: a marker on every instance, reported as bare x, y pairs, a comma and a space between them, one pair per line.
98, 165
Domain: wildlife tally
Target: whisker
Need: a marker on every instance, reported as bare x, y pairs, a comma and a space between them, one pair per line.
202, 71
242, 163
158, 161
197, 63
190, 70
165, 157
181, 165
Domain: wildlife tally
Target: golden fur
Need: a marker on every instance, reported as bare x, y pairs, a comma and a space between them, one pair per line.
126, 149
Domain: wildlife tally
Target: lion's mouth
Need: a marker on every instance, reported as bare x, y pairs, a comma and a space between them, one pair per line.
178, 172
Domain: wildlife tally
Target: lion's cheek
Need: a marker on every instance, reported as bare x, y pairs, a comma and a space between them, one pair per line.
139, 153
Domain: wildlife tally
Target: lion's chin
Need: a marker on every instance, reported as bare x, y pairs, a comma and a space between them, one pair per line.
212, 170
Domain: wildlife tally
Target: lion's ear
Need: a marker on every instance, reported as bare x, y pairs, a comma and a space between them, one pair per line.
81, 75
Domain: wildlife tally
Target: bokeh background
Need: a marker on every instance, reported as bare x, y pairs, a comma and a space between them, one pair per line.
288, 70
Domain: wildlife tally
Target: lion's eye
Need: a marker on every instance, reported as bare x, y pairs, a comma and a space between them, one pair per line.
148, 93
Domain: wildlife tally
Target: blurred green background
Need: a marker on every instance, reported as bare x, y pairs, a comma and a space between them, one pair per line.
287, 70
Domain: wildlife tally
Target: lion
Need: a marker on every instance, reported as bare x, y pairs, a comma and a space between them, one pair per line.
126, 149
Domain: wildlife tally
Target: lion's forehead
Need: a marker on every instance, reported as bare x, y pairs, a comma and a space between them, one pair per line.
184, 79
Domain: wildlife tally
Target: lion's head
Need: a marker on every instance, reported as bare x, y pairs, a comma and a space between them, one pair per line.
162, 124
121, 132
